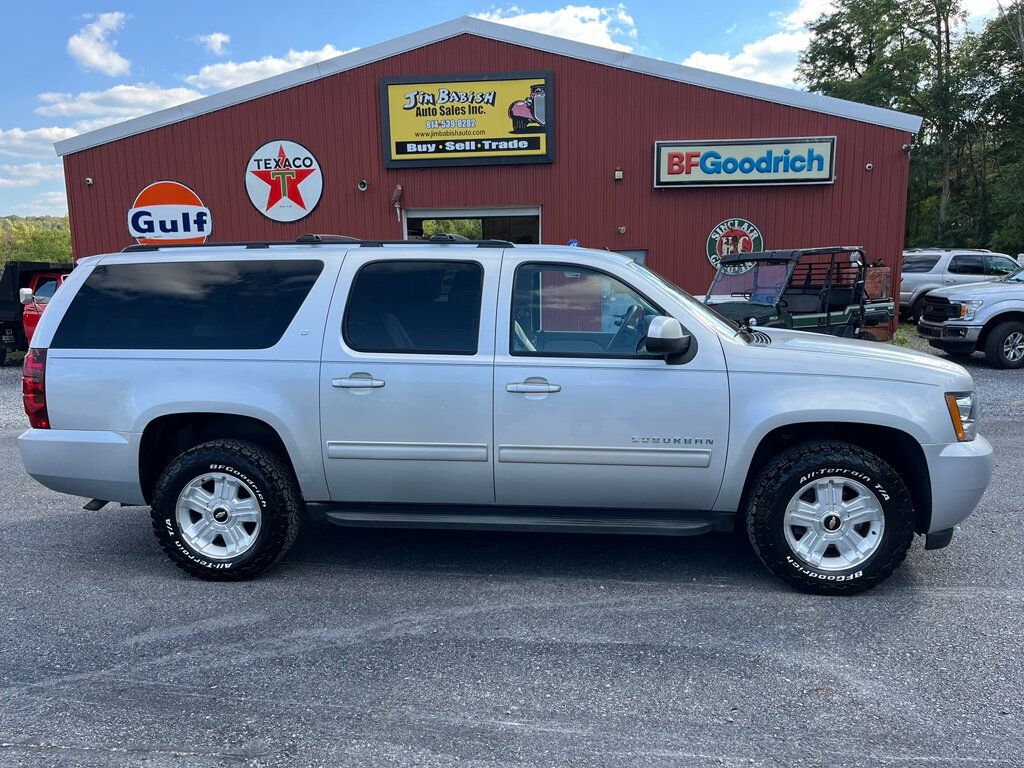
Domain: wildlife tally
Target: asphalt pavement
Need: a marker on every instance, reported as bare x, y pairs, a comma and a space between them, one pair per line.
396, 648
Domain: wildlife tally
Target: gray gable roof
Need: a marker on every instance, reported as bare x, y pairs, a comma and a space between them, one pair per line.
504, 33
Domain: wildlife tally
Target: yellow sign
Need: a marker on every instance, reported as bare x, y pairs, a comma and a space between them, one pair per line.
482, 120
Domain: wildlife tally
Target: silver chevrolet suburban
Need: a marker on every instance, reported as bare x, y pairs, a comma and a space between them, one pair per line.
237, 388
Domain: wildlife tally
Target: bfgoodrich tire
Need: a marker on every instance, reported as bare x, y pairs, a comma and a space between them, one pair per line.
830, 518
1004, 347
226, 510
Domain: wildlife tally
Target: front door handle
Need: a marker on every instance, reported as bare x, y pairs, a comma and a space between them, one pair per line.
533, 388
357, 382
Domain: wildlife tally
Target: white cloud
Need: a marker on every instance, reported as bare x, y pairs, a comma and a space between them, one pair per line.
771, 59
120, 101
214, 42
230, 74
47, 204
18, 142
92, 48
805, 12
608, 27
29, 174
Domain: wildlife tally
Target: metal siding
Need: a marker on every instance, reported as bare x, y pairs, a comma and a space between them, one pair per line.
605, 118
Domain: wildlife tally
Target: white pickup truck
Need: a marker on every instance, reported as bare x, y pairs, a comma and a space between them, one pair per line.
482, 385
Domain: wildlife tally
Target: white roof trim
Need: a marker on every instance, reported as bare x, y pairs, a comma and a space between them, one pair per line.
504, 33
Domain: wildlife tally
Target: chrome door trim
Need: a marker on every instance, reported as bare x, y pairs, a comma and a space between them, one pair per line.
351, 449
628, 457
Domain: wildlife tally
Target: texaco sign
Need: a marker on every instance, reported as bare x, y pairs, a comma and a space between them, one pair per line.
284, 181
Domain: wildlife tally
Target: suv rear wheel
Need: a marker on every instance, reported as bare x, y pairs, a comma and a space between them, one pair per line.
226, 510
1004, 347
830, 518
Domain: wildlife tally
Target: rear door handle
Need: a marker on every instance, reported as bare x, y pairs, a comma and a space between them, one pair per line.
357, 382
531, 388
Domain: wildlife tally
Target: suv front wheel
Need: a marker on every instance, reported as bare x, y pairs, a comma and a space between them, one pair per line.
830, 518
226, 510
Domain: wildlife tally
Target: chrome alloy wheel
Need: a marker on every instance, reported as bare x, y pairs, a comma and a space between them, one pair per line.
218, 516
834, 523
1013, 347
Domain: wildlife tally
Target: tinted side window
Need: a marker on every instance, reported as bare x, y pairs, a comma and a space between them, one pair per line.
411, 307
919, 262
967, 264
571, 311
187, 305
1002, 265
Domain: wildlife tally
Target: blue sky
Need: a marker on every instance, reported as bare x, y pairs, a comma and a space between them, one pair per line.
75, 67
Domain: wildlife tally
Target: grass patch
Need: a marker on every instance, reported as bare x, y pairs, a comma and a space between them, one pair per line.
902, 336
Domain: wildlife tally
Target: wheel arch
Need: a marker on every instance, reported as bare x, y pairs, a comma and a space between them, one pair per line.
992, 322
896, 447
169, 435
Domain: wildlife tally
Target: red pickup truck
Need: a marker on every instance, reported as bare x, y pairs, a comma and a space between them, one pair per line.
25, 289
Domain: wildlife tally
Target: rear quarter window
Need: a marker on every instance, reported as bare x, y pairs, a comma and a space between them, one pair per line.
920, 262
187, 305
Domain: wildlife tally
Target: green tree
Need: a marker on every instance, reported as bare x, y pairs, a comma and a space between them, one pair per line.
920, 56
35, 238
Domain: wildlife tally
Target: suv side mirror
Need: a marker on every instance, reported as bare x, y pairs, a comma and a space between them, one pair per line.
665, 337
25, 294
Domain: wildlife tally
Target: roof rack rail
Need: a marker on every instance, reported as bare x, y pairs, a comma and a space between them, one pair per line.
313, 239
454, 240
255, 244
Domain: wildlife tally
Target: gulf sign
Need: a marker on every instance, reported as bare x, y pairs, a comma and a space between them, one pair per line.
169, 212
745, 162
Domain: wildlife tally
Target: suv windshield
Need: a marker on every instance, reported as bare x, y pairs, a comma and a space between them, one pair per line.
761, 283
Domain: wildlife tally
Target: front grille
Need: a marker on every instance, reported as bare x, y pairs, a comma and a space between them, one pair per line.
938, 309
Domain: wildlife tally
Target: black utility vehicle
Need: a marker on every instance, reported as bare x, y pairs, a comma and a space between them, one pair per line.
808, 289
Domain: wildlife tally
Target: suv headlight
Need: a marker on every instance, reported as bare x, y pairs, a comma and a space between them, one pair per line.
969, 308
961, 412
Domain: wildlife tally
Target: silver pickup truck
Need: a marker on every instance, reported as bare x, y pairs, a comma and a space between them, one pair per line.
989, 317
237, 389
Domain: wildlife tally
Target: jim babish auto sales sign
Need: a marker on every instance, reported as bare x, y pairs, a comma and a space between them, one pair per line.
490, 119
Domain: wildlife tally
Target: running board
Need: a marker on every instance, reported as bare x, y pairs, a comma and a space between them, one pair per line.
556, 521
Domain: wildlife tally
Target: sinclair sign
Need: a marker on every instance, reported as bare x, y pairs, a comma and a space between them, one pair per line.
744, 162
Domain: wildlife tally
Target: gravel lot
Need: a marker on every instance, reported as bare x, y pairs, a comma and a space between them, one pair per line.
376, 648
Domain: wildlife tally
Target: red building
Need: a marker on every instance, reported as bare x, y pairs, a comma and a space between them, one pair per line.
528, 137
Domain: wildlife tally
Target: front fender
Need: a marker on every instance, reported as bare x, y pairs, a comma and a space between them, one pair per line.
990, 314
763, 403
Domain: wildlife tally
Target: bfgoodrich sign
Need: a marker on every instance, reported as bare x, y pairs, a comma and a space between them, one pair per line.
744, 162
